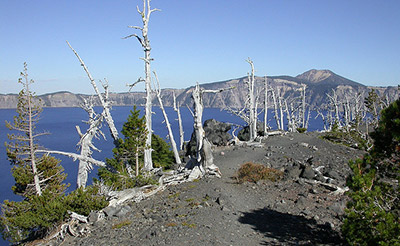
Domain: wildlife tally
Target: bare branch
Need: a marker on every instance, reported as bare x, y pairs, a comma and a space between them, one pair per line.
74, 157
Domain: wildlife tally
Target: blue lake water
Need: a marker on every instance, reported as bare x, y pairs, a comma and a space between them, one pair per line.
61, 122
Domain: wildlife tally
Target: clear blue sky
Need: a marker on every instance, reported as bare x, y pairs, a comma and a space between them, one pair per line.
197, 41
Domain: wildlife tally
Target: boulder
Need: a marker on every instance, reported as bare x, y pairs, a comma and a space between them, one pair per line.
293, 172
216, 133
244, 134
308, 172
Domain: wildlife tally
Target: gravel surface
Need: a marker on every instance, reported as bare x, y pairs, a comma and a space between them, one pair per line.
218, 211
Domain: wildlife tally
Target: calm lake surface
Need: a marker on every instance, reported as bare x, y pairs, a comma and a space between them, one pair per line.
60, 124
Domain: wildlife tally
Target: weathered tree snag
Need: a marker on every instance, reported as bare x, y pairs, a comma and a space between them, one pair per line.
204, 159
145, 42
181, 133
303, 106
265, 105
334, 101
249, 112
276, 115
280, 108
86, 161
103, 99
252, 102
74, 156
157, 89
86, 144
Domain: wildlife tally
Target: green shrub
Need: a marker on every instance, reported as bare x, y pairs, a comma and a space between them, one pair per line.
117, 174
373, 215
301, 129
162, 154
250, 172
351, 138
83, 201
31, 218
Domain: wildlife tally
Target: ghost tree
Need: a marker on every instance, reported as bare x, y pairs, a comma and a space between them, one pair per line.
334, 105
265, 105
204, 160
275, 100
249, 111
157, 89
85, 143
181, 133
145, 43
105, 103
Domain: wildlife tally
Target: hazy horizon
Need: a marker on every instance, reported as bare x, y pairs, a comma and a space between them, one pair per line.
196, 41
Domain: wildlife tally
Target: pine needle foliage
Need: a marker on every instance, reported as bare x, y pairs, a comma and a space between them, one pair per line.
373, 215
127, 154
38, 179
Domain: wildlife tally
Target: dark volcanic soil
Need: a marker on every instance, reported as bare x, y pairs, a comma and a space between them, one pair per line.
218, 211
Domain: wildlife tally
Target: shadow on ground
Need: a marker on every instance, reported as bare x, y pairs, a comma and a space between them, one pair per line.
287, 229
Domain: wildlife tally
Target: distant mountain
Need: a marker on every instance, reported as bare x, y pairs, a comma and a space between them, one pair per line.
318, 82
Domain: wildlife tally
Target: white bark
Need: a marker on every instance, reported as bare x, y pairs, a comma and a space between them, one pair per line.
74, 157
31, 134
252, 104
86, 142
181, 133
276, 115
103, 99
170, 133
145, 42
249, 112
204, 156
280, 109
334, 102
265, 106
303, 106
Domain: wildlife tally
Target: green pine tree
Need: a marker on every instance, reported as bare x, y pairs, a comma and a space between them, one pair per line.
373, 215
38, 178
128, 155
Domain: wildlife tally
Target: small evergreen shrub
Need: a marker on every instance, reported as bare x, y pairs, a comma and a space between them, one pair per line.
373, 215
301, 130
31, 218
162, 154
129, 148
351, 138
250, 172
83, 201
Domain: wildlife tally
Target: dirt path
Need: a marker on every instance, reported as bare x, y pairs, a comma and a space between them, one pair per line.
215, 211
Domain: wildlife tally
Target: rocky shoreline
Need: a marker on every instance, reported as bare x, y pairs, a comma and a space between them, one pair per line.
218, 211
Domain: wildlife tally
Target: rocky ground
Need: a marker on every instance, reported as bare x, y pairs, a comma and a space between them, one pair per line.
218, 211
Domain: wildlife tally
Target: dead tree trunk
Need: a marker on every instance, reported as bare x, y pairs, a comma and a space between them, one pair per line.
86, 142
334, 101
181, 133
103, 100
32, 148
145, 42
276, 115
265, 106
280, 109
249, 112
303, 106
204, 157
170, 134
252, 103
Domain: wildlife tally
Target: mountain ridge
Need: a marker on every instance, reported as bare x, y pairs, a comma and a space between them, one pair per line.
318, 82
